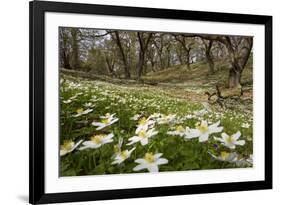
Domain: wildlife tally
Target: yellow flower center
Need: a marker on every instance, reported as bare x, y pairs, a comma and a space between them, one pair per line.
142, 121
202, 128
123, 154
80, 110
97, 138
180, 128
149, 157
66, 145
224, 155
229, 139
142, 134
105, 121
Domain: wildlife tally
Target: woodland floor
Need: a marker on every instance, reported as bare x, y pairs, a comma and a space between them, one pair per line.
178, 92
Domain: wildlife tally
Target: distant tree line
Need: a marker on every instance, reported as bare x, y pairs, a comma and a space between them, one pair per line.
132, 54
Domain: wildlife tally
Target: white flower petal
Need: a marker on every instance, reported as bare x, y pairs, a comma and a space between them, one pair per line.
140, 161
204, 137
153, 168
224, 136
162, 161
157, 156
63, 152
144, 141
101, 127
139, 167
240, 142
76, 145
97, 124
236, 135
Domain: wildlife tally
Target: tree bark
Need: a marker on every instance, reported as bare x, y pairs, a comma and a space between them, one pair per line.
75, 48
152, 65
168, 57
64, 49
143, 48
187, 60
110, 65
234, 78
123, 56
238, 62
140, 64
187, 49
209, 57
66, 63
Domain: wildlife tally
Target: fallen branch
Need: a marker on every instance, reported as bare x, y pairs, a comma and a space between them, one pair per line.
221, 94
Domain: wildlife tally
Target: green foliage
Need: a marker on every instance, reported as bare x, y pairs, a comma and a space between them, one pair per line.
126, 102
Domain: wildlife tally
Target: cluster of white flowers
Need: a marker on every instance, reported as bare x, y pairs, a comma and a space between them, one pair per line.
203, 131
147, 127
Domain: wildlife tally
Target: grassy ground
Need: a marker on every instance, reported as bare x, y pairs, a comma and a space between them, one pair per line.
179, 93
192, 84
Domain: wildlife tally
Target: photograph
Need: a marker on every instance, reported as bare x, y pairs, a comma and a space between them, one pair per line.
151, 101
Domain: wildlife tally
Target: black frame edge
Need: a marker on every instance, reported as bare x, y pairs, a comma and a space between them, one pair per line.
36, 103
145, 12
31, 164
268, 101
152, 192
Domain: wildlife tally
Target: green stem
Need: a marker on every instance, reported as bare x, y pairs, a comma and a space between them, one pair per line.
100, 152
94, 158
89, 163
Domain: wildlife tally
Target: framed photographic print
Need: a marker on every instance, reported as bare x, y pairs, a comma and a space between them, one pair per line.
140, 102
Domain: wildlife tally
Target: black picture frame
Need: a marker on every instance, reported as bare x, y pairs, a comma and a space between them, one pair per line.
37, 9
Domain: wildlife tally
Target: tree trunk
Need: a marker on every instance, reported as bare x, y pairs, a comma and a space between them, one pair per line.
187, 66
161, 62
123, 57
64, 49
168, 58
238, 63
209, 57
140, 65
75, 48
187, 59
234, 78
211, 65
152, 65
66, 63
110, 66
143, 48
187, 49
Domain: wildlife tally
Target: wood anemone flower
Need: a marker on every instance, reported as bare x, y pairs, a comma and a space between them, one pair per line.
142, 136
150, 162
230, 141
203, 130
81, 111
97, 141
68, 146
122, 156
106, 120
